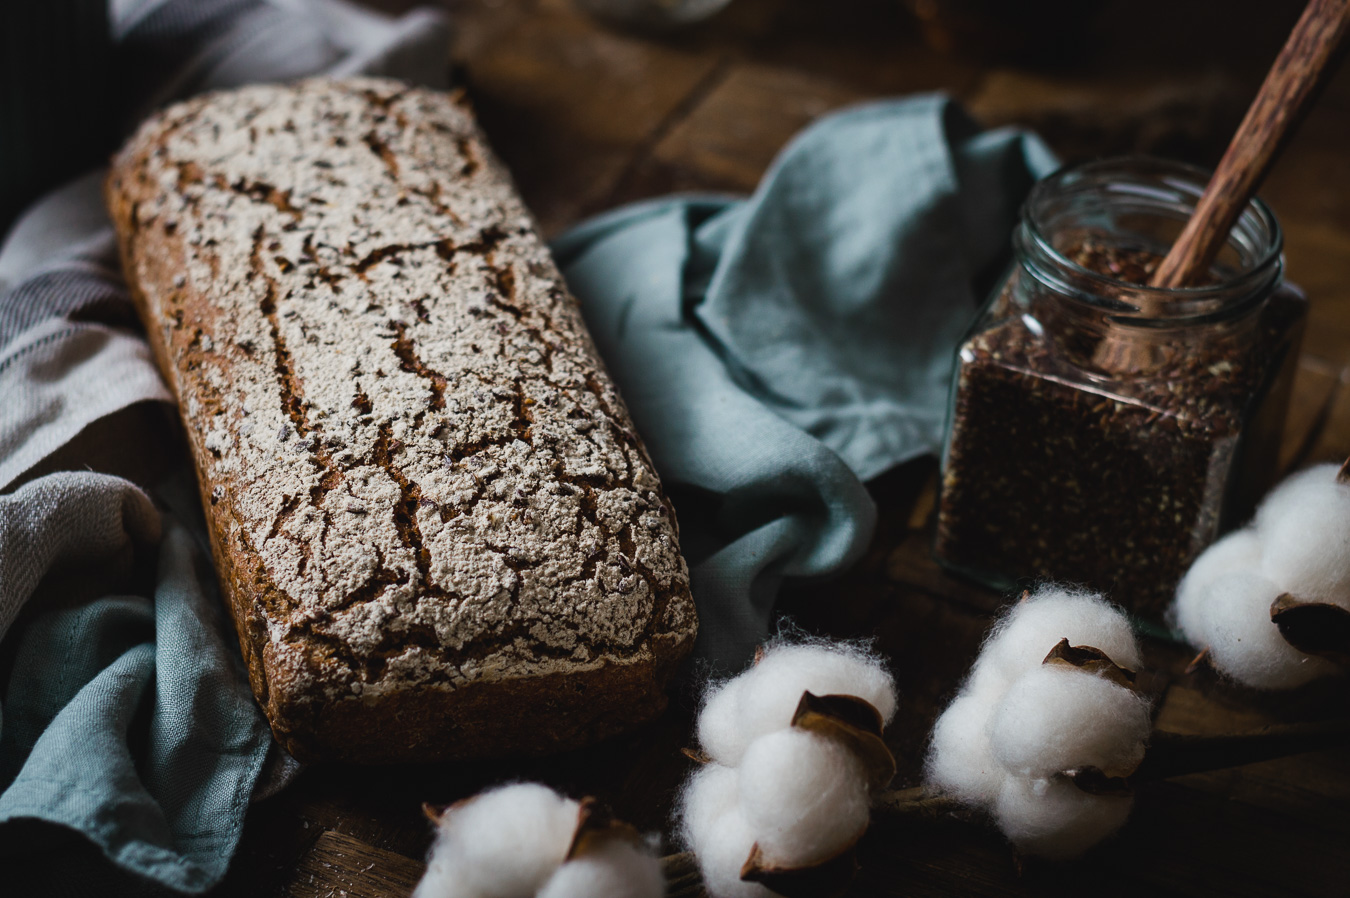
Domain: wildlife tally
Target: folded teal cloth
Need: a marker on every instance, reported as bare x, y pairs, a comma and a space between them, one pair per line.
778, 351
127, 718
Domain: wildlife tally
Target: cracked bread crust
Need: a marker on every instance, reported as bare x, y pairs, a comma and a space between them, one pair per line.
436, 527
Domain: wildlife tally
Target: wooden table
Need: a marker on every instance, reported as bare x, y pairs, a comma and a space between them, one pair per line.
588, 118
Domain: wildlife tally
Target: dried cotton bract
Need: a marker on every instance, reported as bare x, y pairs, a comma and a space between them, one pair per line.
1298, 545
514, 842
1023, 723
800, 795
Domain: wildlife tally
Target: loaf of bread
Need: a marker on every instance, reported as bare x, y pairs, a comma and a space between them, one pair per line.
434, 524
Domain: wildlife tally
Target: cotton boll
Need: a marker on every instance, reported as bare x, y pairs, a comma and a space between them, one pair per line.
710, 794
445, 878
764, 698
1054, 818
1017, 715
805, 796
1238, 551
722, 850
960, 760
1057, 718
987, 682
1031, 628
773, 688
504, 843
616, 869
720, 730
1304, 525
828, 668
1243, 641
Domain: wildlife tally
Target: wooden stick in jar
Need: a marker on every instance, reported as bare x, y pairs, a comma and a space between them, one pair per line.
1299, 71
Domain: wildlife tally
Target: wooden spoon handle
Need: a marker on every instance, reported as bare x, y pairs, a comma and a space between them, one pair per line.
1292, 82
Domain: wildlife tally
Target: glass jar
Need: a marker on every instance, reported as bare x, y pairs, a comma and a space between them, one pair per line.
1102, 432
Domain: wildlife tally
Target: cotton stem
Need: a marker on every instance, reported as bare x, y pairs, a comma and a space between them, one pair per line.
917, 802
682, 876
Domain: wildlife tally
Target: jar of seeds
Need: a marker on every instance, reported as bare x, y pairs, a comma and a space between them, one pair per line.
1102, 431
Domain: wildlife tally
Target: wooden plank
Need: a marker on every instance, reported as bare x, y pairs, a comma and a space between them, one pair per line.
875, 48
339, 866
375, 807
568, 104
1189, 117
734, 133
1309, 404
912, 563
478, 23
1312, 182
1191, 711
1318, 260
1332, 442
1313, 786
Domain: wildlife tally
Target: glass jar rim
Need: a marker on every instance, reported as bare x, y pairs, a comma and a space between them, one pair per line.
1186, 183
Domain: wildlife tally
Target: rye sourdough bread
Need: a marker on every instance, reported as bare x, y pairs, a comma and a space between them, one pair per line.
438, 533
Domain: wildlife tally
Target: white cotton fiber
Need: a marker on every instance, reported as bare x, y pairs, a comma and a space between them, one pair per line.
827, 669
1031, 628
801, 796
1054, 818
960, 760
1238, 551
1304, 527
711, 792
722, 850
1244, 643
504, 843
1018, 723
719, 729
804, 795
1299, 544
615, 869
764, 698
1059, 718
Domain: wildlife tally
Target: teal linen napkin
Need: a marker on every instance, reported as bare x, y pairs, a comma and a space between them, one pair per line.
778, 351
129, 718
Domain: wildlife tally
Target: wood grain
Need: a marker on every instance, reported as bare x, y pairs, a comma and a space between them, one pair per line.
1309, 406
339, 866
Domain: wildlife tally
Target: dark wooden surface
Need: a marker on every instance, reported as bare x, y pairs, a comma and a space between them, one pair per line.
587, 118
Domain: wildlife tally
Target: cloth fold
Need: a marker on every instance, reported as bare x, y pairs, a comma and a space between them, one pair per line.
83, 521
129, 719
779, 350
